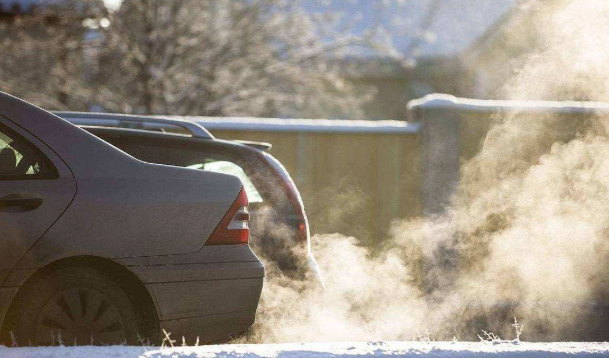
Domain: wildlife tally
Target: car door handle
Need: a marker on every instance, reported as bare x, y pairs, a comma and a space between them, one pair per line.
19, 202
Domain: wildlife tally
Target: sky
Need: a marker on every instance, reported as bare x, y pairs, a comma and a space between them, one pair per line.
27, 3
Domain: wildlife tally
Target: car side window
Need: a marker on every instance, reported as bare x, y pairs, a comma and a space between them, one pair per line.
21, 160
226, 167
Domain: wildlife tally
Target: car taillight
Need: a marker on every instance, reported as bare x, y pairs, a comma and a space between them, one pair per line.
303, 230
234, 226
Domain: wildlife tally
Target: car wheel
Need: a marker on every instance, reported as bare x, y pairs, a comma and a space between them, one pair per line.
76, 306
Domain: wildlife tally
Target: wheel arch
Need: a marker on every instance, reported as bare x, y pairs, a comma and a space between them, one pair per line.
141, 298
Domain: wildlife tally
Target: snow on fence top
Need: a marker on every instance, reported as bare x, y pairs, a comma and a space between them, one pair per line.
444, 101
498, 349
305, 125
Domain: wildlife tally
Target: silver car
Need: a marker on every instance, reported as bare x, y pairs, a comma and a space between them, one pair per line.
99, 247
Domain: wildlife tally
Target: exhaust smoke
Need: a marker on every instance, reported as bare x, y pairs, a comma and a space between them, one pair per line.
526, 234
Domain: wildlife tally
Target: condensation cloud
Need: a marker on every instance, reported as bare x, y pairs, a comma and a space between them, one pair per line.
526, 235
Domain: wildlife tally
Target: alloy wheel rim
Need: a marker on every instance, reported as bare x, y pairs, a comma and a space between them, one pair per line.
80, 316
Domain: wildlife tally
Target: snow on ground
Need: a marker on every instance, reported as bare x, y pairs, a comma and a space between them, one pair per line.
328, 350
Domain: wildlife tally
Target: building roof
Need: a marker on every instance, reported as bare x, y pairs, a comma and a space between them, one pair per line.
495, 33
455, 25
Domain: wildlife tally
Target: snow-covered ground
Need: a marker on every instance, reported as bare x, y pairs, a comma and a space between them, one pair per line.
328, 350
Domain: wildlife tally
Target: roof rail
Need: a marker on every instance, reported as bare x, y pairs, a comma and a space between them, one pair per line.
258, 145
152, 123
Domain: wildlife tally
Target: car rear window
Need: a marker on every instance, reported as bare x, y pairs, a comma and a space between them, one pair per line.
226, 167
190, 157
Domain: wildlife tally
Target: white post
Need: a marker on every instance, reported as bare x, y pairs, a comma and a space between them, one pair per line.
440, 151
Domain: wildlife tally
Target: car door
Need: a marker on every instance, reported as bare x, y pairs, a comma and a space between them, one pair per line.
36, 187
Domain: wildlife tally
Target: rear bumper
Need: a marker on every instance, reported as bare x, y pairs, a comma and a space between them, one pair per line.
197, 297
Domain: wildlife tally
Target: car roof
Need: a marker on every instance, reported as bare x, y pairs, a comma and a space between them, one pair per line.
85, 154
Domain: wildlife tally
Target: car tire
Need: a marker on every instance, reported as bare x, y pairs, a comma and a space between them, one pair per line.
76, 306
